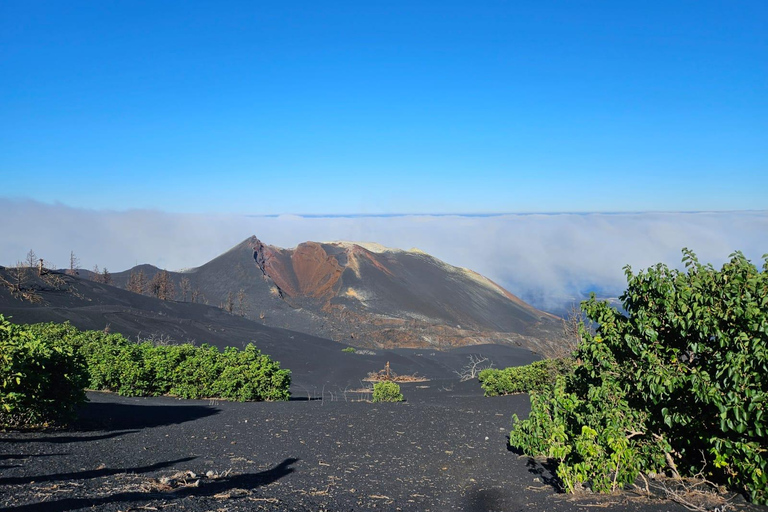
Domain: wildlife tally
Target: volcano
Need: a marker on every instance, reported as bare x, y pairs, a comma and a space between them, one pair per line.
366, 295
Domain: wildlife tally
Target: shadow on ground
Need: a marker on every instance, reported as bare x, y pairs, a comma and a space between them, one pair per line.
205, 489
487, 500
94, 473
117, 416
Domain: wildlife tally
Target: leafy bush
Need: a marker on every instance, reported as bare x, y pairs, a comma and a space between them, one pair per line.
144, 369
248, 373
679, 381
349, 350
43, 381
387, 391
523, 379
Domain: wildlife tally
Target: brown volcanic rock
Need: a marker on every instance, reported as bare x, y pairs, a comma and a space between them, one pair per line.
377, 297
307, 271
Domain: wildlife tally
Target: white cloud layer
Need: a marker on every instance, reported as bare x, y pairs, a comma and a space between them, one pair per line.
545, 259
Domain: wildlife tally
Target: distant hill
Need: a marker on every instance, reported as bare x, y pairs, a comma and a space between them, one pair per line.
365, 295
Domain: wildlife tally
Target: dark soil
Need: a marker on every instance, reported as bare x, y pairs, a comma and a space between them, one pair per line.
443, 449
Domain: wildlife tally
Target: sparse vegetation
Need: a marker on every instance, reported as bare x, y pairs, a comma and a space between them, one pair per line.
472, 369
43, 380
349, 350
523, 379
387, 391
675, 384
388, 375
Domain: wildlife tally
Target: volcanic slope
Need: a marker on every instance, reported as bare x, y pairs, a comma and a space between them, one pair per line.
368, 296
316, 363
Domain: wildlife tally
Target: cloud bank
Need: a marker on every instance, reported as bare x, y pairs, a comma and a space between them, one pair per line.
546, 259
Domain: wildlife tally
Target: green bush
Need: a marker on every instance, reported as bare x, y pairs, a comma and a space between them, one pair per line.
144, 369
387, 391
523, 379
677, 383
43, 381
248, 373
349, 350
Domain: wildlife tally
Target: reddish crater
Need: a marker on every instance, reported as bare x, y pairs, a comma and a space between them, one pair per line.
307, 271
317, 273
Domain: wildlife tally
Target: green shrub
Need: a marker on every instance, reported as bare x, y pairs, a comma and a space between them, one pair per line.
523, 379
680, 377
42, 381
387, 391
143, 369
250, 375
349, 350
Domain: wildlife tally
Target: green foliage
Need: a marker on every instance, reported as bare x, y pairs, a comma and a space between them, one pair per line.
349, 350
144, 369
681, 375
387, 391
42, 381
523, 379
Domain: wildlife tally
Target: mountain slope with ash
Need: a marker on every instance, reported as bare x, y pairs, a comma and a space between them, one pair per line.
369, 296
315, 362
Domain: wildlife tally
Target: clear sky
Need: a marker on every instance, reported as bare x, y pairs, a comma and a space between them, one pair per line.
371, 107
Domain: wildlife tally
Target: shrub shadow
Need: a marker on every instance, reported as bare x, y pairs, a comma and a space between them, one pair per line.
114, 416
205, 489
546, 471
488, 500
66, 439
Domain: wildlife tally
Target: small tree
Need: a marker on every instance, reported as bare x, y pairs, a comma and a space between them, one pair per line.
387, 392
106, 277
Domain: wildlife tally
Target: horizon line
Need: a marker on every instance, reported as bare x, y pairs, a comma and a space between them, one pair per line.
487, 214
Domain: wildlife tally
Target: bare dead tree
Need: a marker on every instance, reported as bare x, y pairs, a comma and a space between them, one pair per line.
74, 264
473, 368
229, 305
573, 323
106, 277
185, 286
195, 295
137, 282
162, 286
96, 274
52, 278
241, 302
18, 283
31, 260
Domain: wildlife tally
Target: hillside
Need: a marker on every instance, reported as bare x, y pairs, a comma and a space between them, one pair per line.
365, 295
315, 362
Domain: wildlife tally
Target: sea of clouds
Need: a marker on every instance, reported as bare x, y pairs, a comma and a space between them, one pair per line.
546, 259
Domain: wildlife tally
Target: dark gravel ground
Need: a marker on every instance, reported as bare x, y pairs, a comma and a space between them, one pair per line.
444, 449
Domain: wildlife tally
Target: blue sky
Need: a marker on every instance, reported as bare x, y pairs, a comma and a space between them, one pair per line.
385, 107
